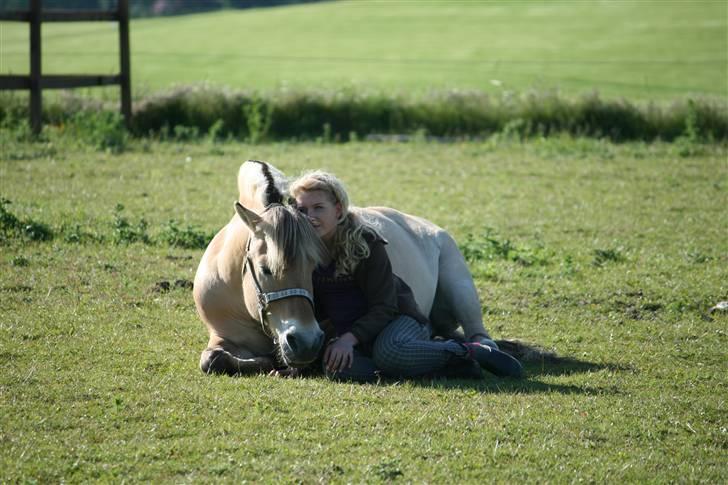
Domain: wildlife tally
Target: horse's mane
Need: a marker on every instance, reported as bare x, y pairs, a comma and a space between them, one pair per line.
260, 184
292, 237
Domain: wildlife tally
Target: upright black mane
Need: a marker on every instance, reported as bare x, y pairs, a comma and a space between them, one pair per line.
272, 194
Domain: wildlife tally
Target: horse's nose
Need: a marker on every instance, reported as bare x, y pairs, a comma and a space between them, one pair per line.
292, 340
319, 340
304, 342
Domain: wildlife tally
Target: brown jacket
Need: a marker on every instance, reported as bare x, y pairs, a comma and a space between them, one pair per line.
388, 296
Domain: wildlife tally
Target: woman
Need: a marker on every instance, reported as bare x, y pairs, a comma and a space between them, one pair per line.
370, 312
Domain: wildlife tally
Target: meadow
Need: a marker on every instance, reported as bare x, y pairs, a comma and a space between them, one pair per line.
646, 50
611, 255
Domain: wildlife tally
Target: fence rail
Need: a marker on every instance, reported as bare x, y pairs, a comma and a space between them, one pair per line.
60, 16
36, 82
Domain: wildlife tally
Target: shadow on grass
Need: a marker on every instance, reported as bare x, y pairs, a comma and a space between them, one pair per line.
536, 361
565, 366
495, 385
540, 361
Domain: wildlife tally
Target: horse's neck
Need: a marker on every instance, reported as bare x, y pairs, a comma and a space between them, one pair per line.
231, 256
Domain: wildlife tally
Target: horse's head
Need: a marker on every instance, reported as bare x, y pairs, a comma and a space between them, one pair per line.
282, 252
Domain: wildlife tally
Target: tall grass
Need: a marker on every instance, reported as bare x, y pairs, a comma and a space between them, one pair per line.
193, 111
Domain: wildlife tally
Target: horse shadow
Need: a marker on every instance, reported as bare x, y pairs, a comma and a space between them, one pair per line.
540, 361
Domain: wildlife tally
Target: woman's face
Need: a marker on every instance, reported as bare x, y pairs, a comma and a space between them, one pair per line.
321, 211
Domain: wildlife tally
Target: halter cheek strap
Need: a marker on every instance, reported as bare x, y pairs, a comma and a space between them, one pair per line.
265, 298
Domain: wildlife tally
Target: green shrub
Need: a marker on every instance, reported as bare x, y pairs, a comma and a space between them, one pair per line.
188, 237
487, 247
125, 232
604, 256
191, 112
257, 119
11, 227
103, 130
75, 233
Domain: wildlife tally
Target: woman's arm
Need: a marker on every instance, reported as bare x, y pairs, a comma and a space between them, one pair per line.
374, 277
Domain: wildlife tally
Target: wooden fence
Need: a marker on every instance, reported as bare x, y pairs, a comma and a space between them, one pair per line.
36, 82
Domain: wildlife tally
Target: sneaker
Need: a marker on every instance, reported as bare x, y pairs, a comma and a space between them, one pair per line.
493, 360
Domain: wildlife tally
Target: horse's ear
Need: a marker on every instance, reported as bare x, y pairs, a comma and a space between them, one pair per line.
250, 218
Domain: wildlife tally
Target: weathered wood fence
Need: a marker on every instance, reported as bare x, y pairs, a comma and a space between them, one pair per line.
36, 82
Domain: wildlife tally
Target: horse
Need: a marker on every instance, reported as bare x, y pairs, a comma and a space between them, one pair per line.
244, 261
253, 291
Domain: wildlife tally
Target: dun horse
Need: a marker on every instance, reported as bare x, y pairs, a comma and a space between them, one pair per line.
252, 288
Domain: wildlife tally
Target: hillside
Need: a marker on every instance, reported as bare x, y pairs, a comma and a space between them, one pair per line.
640, 50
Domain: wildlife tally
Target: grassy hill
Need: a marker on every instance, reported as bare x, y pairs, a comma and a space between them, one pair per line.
640, 50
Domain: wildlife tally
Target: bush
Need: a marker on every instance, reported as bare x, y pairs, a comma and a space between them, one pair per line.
104, 130
312, 115
192, 112
11, 227
125, 232
188, 238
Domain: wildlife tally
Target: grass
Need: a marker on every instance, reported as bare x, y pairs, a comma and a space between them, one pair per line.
608, 254
647, 50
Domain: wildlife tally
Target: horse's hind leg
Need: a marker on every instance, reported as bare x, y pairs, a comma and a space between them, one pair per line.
456, 300
222, 357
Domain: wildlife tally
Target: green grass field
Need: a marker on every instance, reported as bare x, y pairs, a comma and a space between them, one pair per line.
642, 50
617, 252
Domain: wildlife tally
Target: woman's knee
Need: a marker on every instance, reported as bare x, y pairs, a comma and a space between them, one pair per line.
389, 357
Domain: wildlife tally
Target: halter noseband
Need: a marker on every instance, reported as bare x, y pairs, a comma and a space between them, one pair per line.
265, 298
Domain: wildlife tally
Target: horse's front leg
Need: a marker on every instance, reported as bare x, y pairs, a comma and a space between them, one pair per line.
223, 357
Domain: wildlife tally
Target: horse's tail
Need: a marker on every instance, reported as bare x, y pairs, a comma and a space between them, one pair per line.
261, 184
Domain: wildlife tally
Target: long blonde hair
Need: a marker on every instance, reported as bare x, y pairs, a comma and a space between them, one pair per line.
349, 243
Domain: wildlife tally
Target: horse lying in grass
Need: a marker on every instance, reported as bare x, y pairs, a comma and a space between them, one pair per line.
253, 285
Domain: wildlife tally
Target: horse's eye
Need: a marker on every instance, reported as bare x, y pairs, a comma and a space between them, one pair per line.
266, 270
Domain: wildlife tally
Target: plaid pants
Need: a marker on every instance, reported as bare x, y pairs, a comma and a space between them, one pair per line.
403, 349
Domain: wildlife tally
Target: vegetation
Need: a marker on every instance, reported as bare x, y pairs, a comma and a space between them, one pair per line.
193, 112
610, 255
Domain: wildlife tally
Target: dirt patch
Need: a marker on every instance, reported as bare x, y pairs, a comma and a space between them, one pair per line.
165, 286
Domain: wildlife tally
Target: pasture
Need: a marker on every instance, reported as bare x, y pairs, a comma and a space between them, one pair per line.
611, 255
646, 50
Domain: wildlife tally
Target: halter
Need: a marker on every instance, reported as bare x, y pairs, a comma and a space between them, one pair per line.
265, 298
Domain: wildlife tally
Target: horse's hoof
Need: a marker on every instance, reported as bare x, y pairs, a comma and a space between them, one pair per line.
214, 361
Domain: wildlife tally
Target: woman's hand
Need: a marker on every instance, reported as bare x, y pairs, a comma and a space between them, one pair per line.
339, 354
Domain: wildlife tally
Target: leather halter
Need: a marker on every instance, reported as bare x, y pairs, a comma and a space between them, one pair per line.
265, 298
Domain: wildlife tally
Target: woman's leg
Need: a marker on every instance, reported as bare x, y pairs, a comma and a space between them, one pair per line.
404, 349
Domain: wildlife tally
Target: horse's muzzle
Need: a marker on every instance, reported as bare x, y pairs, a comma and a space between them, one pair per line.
300, 347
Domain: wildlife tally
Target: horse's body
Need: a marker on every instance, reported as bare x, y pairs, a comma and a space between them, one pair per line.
421, 253
427, 258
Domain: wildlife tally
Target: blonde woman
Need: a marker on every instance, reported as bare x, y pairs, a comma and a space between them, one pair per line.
370, 312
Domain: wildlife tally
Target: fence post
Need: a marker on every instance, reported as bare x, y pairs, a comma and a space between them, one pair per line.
125, 63
36, 98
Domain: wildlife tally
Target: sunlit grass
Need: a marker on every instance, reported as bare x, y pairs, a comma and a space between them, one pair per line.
608, 254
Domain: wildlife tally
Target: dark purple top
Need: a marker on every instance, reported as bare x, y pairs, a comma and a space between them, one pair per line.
338, 299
